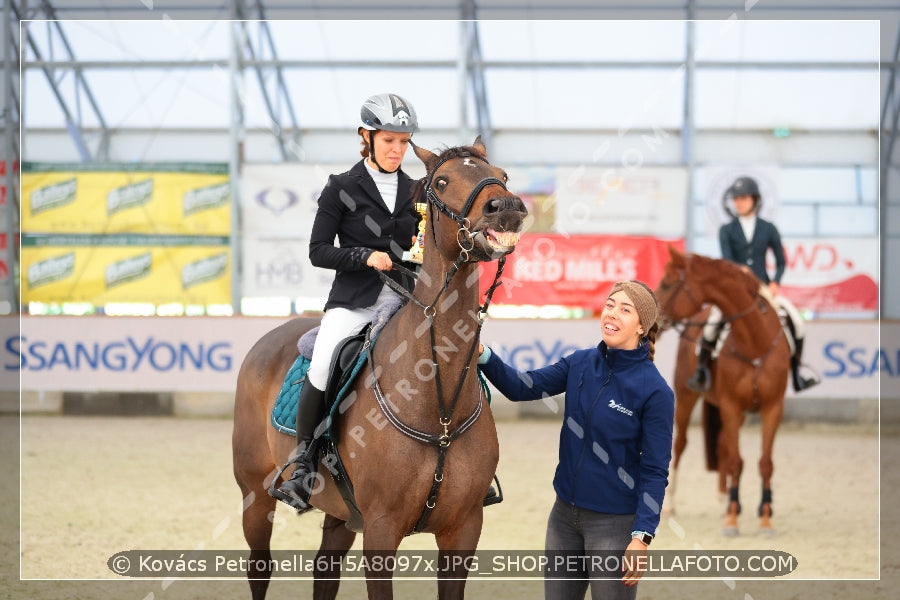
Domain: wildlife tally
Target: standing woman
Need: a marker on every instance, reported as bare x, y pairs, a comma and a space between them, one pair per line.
614, 447
369, 210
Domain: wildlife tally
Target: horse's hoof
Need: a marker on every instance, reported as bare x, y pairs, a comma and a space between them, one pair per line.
730, 531
766, 532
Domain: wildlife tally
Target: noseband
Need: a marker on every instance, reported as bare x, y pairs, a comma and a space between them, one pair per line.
464, 236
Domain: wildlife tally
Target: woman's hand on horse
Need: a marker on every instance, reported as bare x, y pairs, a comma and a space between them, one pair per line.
380, 261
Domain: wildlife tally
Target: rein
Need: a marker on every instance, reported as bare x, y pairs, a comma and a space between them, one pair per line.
442, 440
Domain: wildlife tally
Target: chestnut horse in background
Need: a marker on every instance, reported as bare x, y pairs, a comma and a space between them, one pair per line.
749, 375
421, 378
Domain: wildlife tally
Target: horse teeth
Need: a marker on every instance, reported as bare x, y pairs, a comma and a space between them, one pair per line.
502, 239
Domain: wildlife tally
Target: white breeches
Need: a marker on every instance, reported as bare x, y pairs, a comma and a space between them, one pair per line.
337, 324
711, 329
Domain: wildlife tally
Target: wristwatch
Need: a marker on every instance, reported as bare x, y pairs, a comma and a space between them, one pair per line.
645, 537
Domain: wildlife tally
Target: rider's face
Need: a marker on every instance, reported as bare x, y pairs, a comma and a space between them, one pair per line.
744, 205
390, 147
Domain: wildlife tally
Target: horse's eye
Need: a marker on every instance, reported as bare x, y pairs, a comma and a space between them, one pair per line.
505, 177
664, 285
441, 183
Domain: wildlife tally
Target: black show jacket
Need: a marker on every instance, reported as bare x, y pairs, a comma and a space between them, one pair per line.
351, 209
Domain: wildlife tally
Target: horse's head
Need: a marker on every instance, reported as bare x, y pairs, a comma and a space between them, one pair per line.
677, 300
690, 280
485, 219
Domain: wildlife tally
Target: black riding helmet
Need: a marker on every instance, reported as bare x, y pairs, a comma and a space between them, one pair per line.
742, 186
388, 112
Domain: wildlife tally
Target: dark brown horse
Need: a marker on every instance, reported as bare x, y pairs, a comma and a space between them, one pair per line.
749, 375
426, 379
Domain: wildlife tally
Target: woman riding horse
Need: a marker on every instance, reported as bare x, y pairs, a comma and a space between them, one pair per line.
746, 240
429, 470
369, 209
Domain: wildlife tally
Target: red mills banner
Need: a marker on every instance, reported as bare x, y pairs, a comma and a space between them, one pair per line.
576, 270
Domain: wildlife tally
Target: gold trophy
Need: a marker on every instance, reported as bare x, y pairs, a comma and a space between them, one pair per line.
416, 253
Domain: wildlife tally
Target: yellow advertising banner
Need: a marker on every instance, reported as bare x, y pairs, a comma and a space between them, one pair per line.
102, 269
148, 199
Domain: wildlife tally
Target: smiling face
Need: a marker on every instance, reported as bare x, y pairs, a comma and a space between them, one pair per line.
620, 324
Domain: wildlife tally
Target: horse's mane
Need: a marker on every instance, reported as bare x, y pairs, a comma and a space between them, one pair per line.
730, 271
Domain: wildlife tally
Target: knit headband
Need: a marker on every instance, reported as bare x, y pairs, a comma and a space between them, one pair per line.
643, 299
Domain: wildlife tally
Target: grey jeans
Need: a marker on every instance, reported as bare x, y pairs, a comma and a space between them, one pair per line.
578, 532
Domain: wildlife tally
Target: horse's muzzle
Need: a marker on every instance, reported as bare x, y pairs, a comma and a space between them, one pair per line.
501, 225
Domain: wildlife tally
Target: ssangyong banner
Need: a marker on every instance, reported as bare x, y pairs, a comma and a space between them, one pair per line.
576, 270
832, 278
204, 354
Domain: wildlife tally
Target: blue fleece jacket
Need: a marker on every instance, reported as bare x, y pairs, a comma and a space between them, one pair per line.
616, 439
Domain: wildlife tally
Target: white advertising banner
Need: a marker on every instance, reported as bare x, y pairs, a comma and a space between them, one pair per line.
831, 277
176, 354
279, 201
281, 268
721, 178
621, 201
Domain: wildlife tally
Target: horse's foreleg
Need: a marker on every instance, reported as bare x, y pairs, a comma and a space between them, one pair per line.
336, 541
684, 406
771, 419
259, 509
381, 538
456, 549
731, 466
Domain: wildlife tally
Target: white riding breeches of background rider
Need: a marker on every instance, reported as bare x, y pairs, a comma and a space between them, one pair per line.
337, 324
713, 323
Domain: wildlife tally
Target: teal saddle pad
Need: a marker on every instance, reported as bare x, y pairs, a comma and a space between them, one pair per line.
284, 413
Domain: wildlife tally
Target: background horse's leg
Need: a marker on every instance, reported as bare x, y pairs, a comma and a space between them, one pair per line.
456, 547
685, 400
771, 418
257, 524
336, 541
730, 463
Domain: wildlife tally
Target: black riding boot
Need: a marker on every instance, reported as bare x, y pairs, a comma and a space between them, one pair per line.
699, 381
310, 408
800, 382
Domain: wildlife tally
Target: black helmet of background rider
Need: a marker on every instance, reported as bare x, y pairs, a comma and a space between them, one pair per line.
742, 186
388, 112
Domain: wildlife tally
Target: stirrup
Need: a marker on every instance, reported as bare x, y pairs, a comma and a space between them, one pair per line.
493, 496
295, 502
695, 384
804, 382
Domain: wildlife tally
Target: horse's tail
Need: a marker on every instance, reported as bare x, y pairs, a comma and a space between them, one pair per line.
712, 425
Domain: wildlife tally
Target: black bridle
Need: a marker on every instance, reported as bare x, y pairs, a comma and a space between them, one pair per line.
682, 285
466, 243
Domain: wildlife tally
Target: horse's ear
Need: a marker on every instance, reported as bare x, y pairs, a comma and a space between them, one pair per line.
478, 144
676, 256
426, 156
